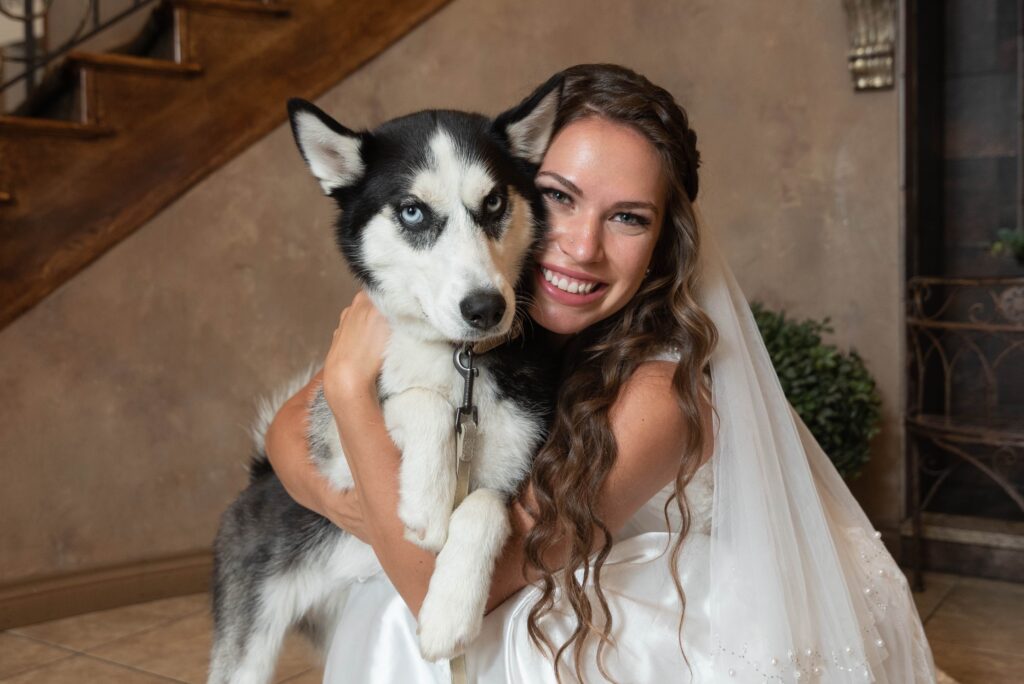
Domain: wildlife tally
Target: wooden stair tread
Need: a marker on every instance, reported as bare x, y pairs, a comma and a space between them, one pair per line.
24, 125
133, 63
122, 181
245, 6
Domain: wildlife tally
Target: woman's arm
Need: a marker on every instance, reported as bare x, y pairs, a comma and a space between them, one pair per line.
288, 451
648, 426
408, 566
645, 419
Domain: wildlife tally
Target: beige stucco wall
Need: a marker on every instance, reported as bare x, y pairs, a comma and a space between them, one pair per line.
128, 391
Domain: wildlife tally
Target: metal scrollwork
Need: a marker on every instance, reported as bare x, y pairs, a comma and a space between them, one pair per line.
37, 52
965, 349
16, 9
1011, 304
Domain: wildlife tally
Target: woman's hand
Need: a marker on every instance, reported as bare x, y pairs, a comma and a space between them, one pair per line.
356, 354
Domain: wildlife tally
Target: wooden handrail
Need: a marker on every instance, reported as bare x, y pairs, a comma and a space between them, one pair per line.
53, 127
133, 63
271, 9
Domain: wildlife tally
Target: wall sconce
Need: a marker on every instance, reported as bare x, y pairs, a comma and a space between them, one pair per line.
871, 25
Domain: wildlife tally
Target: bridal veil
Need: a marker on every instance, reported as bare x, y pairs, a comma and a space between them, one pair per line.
801, 587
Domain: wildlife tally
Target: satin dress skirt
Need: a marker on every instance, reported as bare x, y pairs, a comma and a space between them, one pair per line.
375, 640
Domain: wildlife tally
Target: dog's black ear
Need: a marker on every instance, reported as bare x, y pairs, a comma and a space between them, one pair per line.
333, 152
528, 126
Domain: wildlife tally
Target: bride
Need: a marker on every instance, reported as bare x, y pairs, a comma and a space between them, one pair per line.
681, 523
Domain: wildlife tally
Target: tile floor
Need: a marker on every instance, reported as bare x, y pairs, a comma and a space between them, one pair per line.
162, 641
976, 628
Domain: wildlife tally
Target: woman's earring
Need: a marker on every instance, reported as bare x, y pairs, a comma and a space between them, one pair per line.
647, 273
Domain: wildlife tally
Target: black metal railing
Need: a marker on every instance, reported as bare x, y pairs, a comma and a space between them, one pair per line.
965, 408
36, 53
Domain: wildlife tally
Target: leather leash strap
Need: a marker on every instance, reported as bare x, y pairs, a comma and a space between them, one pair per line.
458, 667
465, 449
466, 432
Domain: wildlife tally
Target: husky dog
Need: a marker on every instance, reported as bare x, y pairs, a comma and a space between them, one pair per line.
439, 219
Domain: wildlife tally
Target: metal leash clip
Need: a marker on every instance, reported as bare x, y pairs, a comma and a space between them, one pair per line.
468, 410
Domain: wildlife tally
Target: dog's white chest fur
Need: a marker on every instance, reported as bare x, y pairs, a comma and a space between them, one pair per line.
508, 437
422, 390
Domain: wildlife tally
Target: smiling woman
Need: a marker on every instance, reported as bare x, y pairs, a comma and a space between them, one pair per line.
605, 193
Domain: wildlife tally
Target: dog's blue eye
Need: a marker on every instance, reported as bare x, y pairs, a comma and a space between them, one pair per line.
412, 214
494, 203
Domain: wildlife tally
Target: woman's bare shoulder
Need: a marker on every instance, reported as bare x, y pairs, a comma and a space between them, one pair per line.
647, 398
648, 410
649, 428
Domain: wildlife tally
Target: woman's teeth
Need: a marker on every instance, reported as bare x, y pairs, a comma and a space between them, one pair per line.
568, 284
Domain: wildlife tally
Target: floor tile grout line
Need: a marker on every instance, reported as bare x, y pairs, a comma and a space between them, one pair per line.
68, 653
942, 599
163, 623
145, 630
42, 642
73, 653
133, 668
977, 649
32, 668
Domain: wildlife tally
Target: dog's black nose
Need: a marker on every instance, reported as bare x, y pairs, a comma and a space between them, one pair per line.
483, 309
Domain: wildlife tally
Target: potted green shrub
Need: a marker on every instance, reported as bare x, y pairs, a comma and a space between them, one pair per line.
831, 390
1009, 241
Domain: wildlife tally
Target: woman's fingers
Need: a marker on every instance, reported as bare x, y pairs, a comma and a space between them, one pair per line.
357, 349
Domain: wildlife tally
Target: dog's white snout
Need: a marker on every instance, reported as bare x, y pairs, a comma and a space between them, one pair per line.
483, 309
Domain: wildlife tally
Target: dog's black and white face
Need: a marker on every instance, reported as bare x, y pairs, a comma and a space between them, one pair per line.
439, 211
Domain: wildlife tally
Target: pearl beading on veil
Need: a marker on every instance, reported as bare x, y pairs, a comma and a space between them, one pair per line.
880, 577
877, 555
808, 666
776, 670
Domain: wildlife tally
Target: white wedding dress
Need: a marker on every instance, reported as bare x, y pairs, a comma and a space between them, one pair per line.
785, 579
375, 641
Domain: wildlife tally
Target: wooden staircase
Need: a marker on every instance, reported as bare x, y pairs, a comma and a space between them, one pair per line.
144, 130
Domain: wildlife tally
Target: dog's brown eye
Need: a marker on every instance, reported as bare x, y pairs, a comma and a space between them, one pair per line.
494, 203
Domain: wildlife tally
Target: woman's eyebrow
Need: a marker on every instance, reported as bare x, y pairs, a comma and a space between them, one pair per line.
564, 181
636, 205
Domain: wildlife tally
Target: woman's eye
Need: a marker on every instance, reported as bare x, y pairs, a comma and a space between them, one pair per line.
556, 195
631, 219
494, 203
411, 215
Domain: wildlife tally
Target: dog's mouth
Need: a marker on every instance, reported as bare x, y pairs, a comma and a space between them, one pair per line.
477, 336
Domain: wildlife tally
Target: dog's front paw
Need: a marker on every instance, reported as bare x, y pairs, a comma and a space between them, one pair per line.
447, 627
426, 531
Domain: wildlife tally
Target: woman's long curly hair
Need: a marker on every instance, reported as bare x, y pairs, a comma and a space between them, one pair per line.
571, 468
